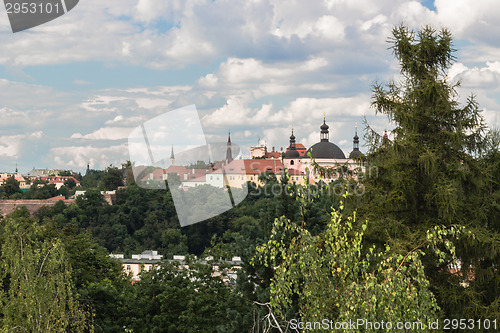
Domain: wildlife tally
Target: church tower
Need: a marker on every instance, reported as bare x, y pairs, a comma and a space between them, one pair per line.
229, 154
325, 134
292, 156
172, 157
355, 145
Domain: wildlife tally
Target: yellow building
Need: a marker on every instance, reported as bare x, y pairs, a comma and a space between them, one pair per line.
238, 172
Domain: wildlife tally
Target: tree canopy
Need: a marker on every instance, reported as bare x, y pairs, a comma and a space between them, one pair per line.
434, 171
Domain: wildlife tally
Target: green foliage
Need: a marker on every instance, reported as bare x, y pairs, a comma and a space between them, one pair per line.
188, 300
173, 179
65, 173
438, 169
70, 183
37, 293
112, 179
10, 187
328, 275
92, 179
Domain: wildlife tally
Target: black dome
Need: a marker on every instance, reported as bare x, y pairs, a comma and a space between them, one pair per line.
292, 153
356, 154
325, 149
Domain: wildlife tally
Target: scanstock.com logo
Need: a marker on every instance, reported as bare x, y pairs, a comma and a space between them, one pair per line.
201, 173
26, 14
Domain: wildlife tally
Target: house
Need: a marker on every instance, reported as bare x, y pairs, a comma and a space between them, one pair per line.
24, 184
239, 172
139, 262
147, 260
58, 181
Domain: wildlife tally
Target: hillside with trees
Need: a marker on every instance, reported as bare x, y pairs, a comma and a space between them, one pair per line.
421, 243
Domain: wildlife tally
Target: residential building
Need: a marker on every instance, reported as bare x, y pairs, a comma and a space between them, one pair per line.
58, 181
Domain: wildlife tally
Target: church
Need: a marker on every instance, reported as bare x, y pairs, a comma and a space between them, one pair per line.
324, 159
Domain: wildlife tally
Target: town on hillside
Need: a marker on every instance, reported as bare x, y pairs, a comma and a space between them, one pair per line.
300, 164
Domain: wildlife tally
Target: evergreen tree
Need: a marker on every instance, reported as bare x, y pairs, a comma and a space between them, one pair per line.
112, 179
434, 172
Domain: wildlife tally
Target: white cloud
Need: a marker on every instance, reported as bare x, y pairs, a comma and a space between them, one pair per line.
77, 157
477, 77
105, 133
13, 147
10, 146
261, 67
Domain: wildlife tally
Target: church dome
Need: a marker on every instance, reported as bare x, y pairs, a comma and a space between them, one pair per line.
292, 153
325, 149
356, 154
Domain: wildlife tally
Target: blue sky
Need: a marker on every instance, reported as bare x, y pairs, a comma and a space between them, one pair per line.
72, 90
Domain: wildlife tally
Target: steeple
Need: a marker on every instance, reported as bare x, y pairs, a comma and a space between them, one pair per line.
229, 154
292, 140
172, 157
292, 150
325, 135
355, 141
355, 145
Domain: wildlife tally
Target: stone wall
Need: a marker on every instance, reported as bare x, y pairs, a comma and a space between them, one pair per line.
8, 206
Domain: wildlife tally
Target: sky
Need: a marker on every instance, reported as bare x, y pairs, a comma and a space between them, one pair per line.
72, 90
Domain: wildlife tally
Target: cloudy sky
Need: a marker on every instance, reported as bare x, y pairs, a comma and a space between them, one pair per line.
72, 90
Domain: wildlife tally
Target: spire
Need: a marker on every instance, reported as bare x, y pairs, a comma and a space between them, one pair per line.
292, 152
229, 154
324, 135
355, 145
355, 141
292, 141
172, 157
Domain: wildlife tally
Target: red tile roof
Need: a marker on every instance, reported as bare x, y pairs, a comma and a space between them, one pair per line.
183, 173
300, 148
254, 166
57, 179
273, 154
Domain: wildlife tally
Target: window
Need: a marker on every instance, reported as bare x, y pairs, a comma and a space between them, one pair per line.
292, 162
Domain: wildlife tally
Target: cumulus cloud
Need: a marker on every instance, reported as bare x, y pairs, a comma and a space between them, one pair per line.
486, 76
105, 133
253, 67
77, 157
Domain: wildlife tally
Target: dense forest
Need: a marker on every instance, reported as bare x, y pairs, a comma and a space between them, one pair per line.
389, 252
